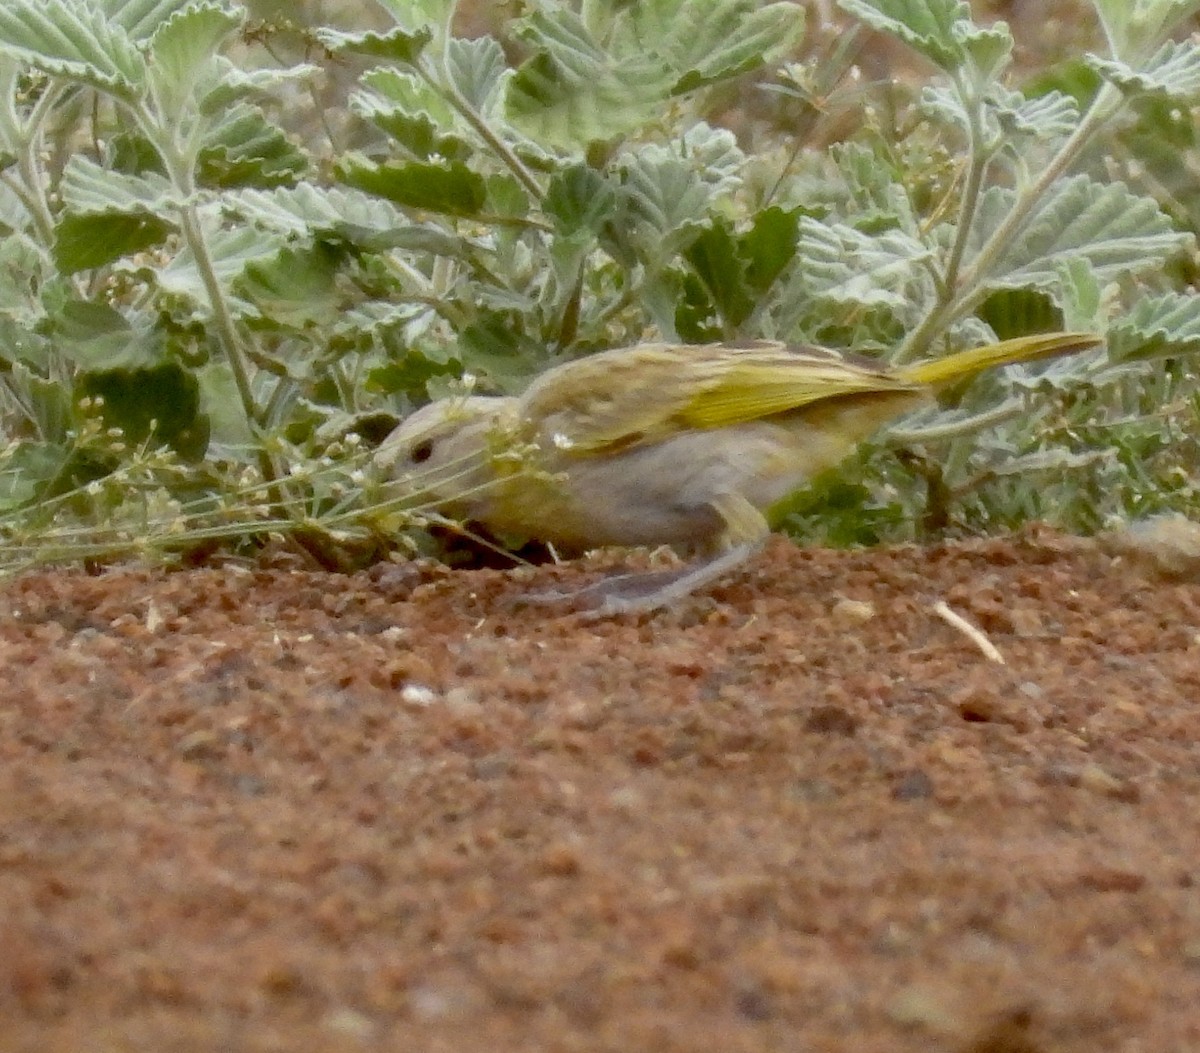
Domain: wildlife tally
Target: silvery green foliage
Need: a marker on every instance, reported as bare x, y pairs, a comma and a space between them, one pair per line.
201, 277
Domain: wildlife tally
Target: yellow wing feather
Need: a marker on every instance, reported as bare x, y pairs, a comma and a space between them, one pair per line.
635, 396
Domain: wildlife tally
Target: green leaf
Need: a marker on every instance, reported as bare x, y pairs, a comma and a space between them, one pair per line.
988, 47
769, 246
73, 39
707, 41
934, 28
477, 69
668, 192
23, 269
579, 199
714, 258
396, 45
1173, 72
738, 270
231, 251
160, 404
182, 46
221, 407
28, 468
306, 210
86, 188
575, 89
414, 114
1018, 312
141, 18
1115, 231
1162, 327
246, 149
847, 267
295, 288
571, 92
410, 372
1134, 28
450, 189
96, 336
366, 324
86, 240
222, 84
1048, 116
1080, 297
417, 14
110, 214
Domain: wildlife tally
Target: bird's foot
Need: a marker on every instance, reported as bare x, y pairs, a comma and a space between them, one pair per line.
640, 593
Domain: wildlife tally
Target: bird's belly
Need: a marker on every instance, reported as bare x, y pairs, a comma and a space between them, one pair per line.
663, 493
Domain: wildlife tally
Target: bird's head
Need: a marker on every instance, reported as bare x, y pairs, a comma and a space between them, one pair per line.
442, 455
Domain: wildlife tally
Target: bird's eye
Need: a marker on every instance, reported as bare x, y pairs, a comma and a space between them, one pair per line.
421, 452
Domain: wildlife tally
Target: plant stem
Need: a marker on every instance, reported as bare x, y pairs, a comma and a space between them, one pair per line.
29, 133
446, 88
960, 298
1105, 106
955, 429
977, 166
179, 163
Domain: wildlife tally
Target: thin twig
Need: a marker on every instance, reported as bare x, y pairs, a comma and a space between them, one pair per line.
957, 621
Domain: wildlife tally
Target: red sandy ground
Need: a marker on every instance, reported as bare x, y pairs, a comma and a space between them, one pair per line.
247, 809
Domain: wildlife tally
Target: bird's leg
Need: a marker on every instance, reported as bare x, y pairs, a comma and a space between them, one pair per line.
640, 593
743, 529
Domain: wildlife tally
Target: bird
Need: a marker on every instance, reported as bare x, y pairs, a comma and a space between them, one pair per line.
665, 444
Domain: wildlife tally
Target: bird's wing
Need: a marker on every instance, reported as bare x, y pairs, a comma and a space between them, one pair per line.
634, 396
762, 385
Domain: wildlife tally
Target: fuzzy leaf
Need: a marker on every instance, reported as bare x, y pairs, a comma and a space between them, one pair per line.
72, 39
663, 203
579, 199
415, 14
846, 266
93, 240
451, 189
574, 89
245, 148
927, 26
182, 46
395, 45
1113, 229
571, 91
305, 209
141, 18
1048, 116
231, 251
375, 318
1161, 327
412, 112
86, 187
23, 267
293, 288
1135, 27
707, 41
99, 337
1173, 72
223, 84
476, 68
32, 467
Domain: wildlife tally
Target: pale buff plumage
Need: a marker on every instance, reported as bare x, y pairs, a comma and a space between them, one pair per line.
665, 444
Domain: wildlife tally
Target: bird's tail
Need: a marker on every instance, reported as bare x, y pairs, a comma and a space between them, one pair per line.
940, 371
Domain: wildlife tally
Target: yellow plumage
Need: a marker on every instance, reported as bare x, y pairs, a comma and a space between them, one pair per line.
666, 444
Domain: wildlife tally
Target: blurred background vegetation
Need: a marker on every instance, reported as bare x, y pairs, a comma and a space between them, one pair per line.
242, 241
